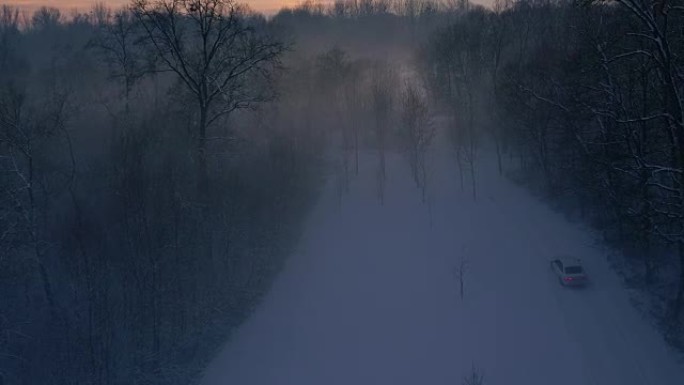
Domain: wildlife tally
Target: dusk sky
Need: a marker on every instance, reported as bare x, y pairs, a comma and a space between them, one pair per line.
265, 6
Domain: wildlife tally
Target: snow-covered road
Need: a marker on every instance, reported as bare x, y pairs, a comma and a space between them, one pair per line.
371, 297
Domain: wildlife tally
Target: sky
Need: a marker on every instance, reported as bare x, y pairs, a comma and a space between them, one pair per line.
264, 6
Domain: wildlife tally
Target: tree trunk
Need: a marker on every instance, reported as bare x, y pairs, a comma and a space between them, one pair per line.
679, 301
498, 155
356, 150
45, 277
460, 169
472, 178
471, 139
203, 185
47, 287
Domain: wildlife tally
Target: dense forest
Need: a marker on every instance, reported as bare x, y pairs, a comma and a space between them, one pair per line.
158, 162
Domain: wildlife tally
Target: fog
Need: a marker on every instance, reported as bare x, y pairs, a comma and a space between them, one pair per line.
356, 192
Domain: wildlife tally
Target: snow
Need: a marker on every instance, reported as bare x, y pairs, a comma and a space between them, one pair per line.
372, 295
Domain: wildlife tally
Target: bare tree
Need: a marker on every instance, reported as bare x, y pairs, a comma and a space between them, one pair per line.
459, 273
118, 39
354, 109
220, 54
382, 105
334, 70
22, 131
458, 51
9, 31
497, 38
419, 132
46, 18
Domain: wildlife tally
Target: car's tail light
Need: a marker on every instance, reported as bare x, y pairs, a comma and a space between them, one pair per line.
567, 278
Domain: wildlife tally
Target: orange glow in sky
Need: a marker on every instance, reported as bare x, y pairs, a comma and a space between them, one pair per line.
265, 6
268, 7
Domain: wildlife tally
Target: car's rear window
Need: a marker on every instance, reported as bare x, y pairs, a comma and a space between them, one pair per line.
573, 270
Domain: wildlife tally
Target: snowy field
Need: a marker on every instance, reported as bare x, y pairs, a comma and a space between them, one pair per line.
372, 296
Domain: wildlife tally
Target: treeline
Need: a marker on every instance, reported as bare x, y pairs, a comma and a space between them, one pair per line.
368, 28
362, 57
374, 107
583, 101
150, 187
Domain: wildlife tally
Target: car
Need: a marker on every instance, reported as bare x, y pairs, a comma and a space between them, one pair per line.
569, 271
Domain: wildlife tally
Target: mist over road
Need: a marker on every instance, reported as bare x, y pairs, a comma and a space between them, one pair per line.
372, 296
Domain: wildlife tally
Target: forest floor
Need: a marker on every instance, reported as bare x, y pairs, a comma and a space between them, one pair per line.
372, 295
